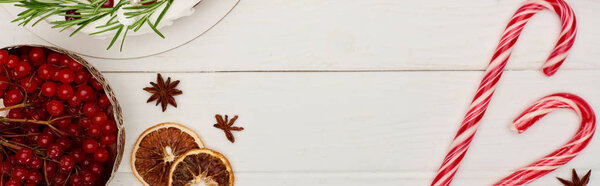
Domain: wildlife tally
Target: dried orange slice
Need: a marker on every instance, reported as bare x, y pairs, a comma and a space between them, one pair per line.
157, 148
201, 166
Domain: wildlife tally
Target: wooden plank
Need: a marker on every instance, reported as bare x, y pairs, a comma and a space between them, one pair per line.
363, 122
358, 178
362, 35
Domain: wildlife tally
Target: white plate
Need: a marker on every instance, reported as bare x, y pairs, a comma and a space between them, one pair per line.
207, 14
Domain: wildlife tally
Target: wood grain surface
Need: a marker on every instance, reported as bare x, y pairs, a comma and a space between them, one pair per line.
353, 93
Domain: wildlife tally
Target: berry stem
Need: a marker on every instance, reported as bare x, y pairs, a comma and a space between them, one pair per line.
47, 123
21, 105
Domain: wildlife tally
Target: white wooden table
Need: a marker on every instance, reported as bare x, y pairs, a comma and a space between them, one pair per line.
353, 93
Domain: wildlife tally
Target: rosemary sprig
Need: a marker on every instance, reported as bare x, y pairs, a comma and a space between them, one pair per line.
86, 12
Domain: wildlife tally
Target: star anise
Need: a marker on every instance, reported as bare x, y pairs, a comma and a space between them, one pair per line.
163, 92
575, 181
227, 126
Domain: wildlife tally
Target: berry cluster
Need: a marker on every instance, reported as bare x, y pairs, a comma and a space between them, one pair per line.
60, 128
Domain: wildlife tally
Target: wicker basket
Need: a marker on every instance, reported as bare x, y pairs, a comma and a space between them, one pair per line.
116, 108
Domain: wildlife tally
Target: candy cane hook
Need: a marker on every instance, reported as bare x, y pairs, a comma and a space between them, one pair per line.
564, 154
478, 106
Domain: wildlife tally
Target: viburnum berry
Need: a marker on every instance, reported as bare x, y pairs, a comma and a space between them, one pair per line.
75, 66
101, 155
45, 71
36, 54
96, 84
50, 168
66, 163
55, 108
64, 143
35, 163
94, 131
103, 101
85, 122
110, 127
96, 168
59, 179
12, 182
88, 178
78, 155
3, 57
48, 89
24, 155
81, 77
90, 145
89, 109
65, 60
30, 84
86, 93
3, 82
22, 69
76, 180
54, 151
19, 173
108, 139
64, 91
44, 140
12, 61
99, 118
66, 76
53, 58
12, 97
34, 177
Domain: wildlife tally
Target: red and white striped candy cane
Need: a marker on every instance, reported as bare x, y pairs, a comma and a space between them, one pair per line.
465, 134
564, 154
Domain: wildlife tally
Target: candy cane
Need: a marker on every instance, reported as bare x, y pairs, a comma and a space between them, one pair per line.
565, 153
465, 134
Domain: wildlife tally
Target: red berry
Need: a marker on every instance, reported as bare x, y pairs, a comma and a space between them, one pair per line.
108, 4
76, 180
20, 173
66, 76
34, 177
88, 178
22, 69
94, 131
12, 97
64, 91
30, 84
103, 101
12, 182
45, 71
12, 61
51, 168
24, 155
101, 155
36, 54
45, 139
3, 57
89, 145
86, 93
110, 127
73, 130
53, 58
74, 101
78, 155
99, 118
75, 66
89, 109
85, 122
66, 163
35, 163
81, 77
63, 123
55, 108
65, 60
54, 151
96, 168
96, 84
48, 89
4, 82
64, 143
108, 139
59, 179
